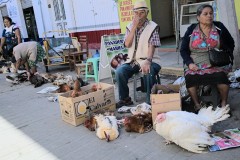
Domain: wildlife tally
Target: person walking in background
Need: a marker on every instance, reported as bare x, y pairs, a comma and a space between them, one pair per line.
10, 37
196, 42
141, 38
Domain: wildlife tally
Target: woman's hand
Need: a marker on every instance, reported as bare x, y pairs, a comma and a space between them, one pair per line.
145, 67
193, 67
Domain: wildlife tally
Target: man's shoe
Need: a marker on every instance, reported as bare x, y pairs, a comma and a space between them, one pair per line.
126, 102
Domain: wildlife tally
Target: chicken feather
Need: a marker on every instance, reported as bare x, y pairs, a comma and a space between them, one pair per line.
107, 127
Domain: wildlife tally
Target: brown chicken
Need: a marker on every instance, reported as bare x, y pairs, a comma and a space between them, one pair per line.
96, 87
91, 123
140, 123
49, 77
63, 88
76, 89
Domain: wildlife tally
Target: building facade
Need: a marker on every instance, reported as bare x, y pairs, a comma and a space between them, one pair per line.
59, 18
47, 18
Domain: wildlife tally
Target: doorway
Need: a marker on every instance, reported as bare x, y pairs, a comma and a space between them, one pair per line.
30, 24
163, 15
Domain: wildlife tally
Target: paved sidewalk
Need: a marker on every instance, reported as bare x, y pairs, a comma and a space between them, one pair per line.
31, 129
171, 62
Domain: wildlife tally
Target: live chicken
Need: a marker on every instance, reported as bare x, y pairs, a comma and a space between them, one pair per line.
189, 130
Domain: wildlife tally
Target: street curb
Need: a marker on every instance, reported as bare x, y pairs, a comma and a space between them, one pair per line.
172, 71
166, 49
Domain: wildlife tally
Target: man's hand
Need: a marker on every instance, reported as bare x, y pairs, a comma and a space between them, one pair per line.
193, 67
136, 21
28, 74
145, 67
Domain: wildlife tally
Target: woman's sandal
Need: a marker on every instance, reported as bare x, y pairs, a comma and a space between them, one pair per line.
198, 107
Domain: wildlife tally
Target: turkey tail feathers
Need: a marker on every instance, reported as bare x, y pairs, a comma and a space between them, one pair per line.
222, 113
217, 115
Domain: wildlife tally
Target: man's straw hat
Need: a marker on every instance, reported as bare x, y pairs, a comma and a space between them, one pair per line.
140, 5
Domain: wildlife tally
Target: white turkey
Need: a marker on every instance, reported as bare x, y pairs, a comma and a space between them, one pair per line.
189, 130
107, 127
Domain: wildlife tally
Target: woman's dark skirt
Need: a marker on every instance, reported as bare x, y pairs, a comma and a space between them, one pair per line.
206, 79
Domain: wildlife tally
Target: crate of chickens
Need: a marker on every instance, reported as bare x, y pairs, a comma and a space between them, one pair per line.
165, 98
76, 105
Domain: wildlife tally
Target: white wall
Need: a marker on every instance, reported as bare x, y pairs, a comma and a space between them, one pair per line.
15, 11
3, 12
81, 15
26, 3
91, 15
42, 16
70, 17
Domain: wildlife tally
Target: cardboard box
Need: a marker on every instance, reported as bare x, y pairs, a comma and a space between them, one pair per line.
168, 100
76, 110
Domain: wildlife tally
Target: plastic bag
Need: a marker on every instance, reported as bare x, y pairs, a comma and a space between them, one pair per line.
183, 90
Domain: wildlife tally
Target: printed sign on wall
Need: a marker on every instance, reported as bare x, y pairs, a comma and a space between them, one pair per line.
125, 12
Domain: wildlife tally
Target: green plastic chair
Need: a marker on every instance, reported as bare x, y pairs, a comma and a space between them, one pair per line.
94, 62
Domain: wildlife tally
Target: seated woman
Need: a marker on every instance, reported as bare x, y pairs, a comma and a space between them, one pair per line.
194, 51
29, 54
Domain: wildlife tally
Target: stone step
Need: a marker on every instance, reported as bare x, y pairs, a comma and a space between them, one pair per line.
172, 71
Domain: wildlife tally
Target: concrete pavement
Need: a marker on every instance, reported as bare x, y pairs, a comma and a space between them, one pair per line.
31, 128
171, 62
